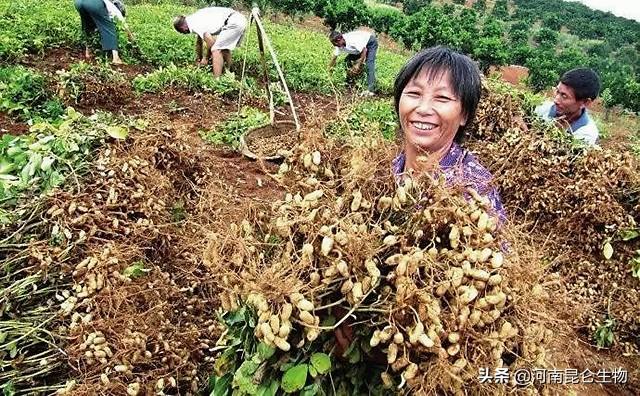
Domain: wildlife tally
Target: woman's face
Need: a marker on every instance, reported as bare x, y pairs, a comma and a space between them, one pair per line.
430, 113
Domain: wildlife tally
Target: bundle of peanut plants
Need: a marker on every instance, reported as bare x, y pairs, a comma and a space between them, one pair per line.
416, 274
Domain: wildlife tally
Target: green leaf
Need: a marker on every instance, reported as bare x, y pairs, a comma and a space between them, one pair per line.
635, 265
6, 167
286, 366
313, 372
56, 179
310, 390
135, 270
235, 317
73, 114
13, 349
629, 234
8, 389
353, 354
265, 351
268, 389
321, 362
117, 132
247, 368
14, 151
140, 124
295, 378
221, 385
225, 363
244, 384
243, 380
46, 163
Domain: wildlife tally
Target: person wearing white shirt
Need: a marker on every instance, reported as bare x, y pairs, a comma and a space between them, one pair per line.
574, 93
227, 24
99, 15
361, 47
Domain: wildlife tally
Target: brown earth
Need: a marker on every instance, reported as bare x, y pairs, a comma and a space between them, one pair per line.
512, 74
11, 126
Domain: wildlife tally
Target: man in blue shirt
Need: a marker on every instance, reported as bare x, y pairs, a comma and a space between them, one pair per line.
575, 92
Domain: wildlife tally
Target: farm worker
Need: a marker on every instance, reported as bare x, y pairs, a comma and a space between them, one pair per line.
436, 95
574, 93
229, 25
360, 46
99, 14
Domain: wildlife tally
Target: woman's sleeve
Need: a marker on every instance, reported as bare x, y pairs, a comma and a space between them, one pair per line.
496, 203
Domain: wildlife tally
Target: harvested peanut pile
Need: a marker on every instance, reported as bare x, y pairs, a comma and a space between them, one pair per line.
577, 204
89, 85
135, 314
416, 273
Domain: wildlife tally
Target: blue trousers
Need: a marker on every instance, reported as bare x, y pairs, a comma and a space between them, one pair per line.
94, 15
372, 50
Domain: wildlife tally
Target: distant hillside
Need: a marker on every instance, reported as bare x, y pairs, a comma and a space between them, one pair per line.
547, 36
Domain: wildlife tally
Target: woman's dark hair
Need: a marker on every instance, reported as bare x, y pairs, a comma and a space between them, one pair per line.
438, 61
584, 82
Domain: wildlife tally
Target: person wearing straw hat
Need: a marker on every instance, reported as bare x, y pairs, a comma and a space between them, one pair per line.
227, 24
361, 47
99, 15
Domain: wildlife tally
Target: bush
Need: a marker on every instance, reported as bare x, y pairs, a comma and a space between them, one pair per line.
193, 79
385, 19
21, 32
24, 93
346, 14
92, 84
229, 132
413, 6
294, 7
371, 117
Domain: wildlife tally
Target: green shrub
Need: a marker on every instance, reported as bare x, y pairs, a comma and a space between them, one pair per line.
366, 118
49, 154
37, 26
346, 14
384, 19
413, 6
24, 93
191, 78
229, 132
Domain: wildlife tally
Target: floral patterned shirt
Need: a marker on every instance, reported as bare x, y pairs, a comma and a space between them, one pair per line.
460, 167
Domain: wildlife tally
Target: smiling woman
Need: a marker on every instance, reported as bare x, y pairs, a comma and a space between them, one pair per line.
436, 95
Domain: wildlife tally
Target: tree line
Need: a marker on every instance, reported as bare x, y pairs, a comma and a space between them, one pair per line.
546, 36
